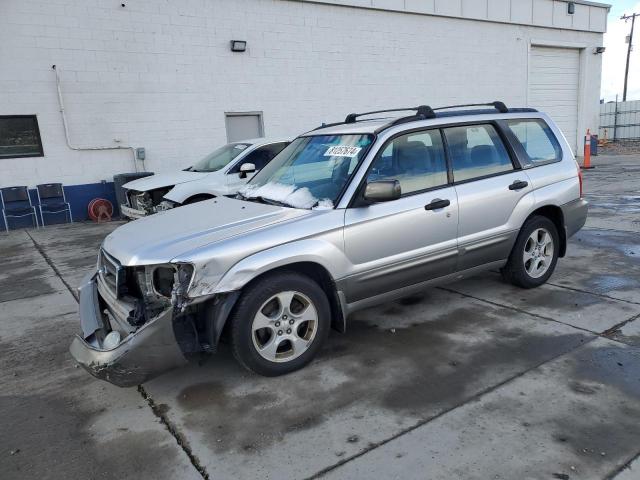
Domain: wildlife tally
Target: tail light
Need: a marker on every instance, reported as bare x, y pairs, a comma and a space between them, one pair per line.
580, 180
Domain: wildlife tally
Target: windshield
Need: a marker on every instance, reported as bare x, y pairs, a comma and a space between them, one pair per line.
219, 158
310, 173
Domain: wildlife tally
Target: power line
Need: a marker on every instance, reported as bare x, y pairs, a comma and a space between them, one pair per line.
626, 71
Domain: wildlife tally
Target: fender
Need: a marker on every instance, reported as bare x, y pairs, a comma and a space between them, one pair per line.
226, 291
211, 185
558, 193
314, 250
551, 195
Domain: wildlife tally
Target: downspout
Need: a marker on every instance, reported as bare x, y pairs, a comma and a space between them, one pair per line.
66, 127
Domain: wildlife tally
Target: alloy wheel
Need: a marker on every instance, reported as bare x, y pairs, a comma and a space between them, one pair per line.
538, 253
284, 327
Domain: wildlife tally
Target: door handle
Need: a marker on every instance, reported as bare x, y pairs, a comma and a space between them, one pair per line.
518, 185
436, 204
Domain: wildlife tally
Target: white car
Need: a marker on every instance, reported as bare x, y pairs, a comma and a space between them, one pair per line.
222, 172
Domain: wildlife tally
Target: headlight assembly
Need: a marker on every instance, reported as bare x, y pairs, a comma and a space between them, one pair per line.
167, 281
165, 205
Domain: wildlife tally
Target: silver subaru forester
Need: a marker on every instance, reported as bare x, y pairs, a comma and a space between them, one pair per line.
347, 216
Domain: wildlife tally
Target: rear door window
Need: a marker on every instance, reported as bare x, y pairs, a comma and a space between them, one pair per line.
476, 151
537, 140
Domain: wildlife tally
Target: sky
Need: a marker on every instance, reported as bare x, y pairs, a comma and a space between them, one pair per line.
615, 55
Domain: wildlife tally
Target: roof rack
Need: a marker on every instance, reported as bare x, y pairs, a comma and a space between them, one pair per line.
424, 112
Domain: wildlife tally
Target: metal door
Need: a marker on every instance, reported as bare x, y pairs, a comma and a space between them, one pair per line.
244, 126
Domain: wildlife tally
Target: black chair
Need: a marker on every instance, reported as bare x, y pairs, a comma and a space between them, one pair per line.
16, 203
51, 199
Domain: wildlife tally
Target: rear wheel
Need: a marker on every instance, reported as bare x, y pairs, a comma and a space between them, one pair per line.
534, 255
280, 323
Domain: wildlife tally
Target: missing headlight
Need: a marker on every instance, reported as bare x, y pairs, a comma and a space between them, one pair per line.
165, 205
163, 280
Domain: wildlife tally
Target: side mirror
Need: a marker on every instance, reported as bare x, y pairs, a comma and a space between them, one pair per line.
382, 191
246, 168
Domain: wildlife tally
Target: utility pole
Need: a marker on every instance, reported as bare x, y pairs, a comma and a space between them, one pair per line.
626, 71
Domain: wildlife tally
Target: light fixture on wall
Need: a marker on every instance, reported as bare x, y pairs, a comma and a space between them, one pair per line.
238, 45
599, 50
571, 8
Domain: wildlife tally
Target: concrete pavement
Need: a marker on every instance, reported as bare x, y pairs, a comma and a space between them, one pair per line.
476, 379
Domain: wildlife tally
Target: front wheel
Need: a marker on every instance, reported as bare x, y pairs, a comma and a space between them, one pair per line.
280, 323
534, 255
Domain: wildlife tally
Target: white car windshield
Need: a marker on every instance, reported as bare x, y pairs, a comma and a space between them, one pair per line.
219, 158
311, 172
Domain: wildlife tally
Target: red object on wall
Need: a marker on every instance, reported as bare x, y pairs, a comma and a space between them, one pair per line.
100, 210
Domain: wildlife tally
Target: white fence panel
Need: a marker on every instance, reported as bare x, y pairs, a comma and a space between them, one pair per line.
621, 120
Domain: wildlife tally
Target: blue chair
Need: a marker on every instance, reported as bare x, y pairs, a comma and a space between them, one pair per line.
51, 199
16, 203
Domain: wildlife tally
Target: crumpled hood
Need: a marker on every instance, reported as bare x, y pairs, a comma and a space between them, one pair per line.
163, 180
161, 237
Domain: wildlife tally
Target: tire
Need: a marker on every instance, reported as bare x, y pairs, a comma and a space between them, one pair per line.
271, 340
531, 263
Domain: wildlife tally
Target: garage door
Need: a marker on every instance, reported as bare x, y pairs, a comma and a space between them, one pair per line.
554, 75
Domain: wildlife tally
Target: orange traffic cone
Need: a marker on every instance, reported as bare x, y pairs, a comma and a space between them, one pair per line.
587, 151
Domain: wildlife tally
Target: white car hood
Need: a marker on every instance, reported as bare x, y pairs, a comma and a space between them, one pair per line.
161, 237
214, 183
163, 180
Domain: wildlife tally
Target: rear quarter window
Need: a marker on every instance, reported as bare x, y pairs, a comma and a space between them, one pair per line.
537, 140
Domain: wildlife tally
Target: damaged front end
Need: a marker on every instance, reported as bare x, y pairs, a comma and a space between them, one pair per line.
140, 204
137, 322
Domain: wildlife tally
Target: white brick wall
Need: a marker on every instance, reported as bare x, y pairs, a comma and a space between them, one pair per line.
160, 74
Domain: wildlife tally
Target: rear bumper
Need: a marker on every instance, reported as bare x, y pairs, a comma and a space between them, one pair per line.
132, 212
143, 354
575, 215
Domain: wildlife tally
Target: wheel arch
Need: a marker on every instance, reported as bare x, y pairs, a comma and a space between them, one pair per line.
319, 274
553, 213
198, 197
222, 308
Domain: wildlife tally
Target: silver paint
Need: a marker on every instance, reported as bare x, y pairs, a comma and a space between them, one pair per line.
372, 253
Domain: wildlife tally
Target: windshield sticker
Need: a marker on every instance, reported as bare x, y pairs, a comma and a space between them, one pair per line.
342, 151
241, 147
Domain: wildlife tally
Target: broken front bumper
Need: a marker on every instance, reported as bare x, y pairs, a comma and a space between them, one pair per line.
143, 354
132, 212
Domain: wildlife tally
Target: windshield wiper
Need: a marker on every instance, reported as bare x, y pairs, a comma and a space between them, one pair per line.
266, 201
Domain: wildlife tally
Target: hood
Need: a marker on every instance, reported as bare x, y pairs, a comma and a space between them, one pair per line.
163, 180
214, 183
161, 237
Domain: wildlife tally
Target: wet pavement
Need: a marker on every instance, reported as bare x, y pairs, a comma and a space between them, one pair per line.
475, 379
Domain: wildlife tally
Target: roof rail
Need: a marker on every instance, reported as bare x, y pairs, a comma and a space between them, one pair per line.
424, 112
500, 106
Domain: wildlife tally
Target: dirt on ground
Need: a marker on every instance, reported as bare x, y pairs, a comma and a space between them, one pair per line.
620, 147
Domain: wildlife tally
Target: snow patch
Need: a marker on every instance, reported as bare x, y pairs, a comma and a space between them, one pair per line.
324, 204
289, 194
